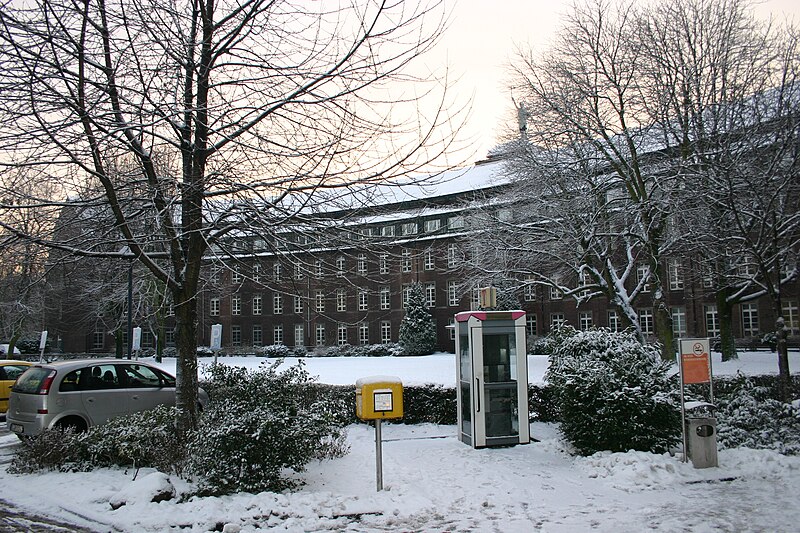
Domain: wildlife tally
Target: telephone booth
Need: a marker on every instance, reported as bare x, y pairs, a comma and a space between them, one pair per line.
492, 378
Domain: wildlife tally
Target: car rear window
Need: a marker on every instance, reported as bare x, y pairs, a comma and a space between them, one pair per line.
31, 380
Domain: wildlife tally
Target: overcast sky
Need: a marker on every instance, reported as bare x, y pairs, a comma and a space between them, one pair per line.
482, 37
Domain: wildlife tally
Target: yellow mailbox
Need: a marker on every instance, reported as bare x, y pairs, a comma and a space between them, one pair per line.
379, 398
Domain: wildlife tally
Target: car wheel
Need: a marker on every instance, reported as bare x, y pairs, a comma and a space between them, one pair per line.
77, 425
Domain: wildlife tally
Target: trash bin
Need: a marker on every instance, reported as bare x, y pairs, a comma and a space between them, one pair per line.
701, 434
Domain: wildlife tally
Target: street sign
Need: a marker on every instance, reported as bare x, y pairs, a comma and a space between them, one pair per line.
137, 339
695, 361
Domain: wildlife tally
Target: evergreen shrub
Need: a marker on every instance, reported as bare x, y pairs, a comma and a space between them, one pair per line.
262, 425
417, 329
613, 393
749, 416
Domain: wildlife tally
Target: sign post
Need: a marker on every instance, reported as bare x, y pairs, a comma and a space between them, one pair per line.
694, 364
216, 339
378, 398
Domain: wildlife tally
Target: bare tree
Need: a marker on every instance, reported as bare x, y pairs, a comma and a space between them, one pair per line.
238, 116
724, 89
587, 150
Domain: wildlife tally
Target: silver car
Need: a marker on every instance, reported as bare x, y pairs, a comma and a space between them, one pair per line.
85, 393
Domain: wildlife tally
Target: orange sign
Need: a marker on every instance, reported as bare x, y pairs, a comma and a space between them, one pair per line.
695, 361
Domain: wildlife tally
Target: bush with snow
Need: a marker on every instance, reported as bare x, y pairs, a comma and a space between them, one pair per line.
612, 392
417, 329
750, 418
261, 426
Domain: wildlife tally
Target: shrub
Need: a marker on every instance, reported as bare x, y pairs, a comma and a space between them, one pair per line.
613, 393
144, 439
749, 417
261, 424
274, 351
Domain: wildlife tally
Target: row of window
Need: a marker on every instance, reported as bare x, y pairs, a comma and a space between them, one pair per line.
428, 259
342, 334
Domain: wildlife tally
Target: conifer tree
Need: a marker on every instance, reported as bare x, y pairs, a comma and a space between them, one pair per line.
417, 330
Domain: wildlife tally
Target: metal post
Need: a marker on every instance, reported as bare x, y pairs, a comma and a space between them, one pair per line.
378, 454
130, 307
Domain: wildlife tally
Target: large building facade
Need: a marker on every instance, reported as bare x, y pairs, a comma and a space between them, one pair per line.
347, 285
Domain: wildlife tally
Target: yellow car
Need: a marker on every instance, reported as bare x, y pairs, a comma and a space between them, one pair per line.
10, 370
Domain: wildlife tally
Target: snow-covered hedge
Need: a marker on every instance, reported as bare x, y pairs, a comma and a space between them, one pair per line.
613, 393
261, 426
749, 417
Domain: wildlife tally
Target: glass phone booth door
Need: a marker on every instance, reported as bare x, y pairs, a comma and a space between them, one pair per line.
492, 378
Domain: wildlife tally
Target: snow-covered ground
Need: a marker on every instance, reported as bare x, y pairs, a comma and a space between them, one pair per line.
435, 483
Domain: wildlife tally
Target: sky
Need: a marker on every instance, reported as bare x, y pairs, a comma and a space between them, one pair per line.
482, 38
433, 482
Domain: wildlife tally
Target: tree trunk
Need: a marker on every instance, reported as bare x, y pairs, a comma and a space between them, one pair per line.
663, 326
186, 365
12, 343
725, 318
782, 332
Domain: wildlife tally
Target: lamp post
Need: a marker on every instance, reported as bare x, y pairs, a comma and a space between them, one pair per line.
130, 306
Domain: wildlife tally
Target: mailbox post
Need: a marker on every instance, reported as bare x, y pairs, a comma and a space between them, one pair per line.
492, 378
379, 398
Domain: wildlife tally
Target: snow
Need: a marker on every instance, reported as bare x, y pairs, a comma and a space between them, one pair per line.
433, 482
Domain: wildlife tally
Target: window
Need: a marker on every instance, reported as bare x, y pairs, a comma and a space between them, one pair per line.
585, 321
298, 272
236, 276
299, 335
385, 299
405, 261
257, 305
98, 337
406, 295
430, 295
298, 305
646, 321
318, 268
675, 274
361, 264
451, 327
319, 298
236, 335
341, 334
215, 274
555, 293
236, 305
363, 333
679, 321
712, 320
409, 228
319, 334
277, 334
452, 294
340, 266
556, 319
530, 325
432, 225
363, 300
383, 264
256, 273
613, 321
429, 263
643, 277
277, 304
708, 276
341, 300
748, 267
475, 298
790, 317
169, 336
750, 319
213, 306
452, 255
529, 293
456, 222
277, 271
386, 332
387, 231
148, 340
257, 336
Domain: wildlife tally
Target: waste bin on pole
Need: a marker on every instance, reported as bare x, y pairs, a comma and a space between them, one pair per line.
701, 434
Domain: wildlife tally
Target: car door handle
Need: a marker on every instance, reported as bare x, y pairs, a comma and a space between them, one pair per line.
135, 397
90, 399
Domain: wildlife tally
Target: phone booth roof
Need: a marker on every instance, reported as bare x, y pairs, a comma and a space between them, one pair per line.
489, 315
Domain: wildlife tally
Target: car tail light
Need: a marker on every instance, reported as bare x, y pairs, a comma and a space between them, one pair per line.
47, 382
